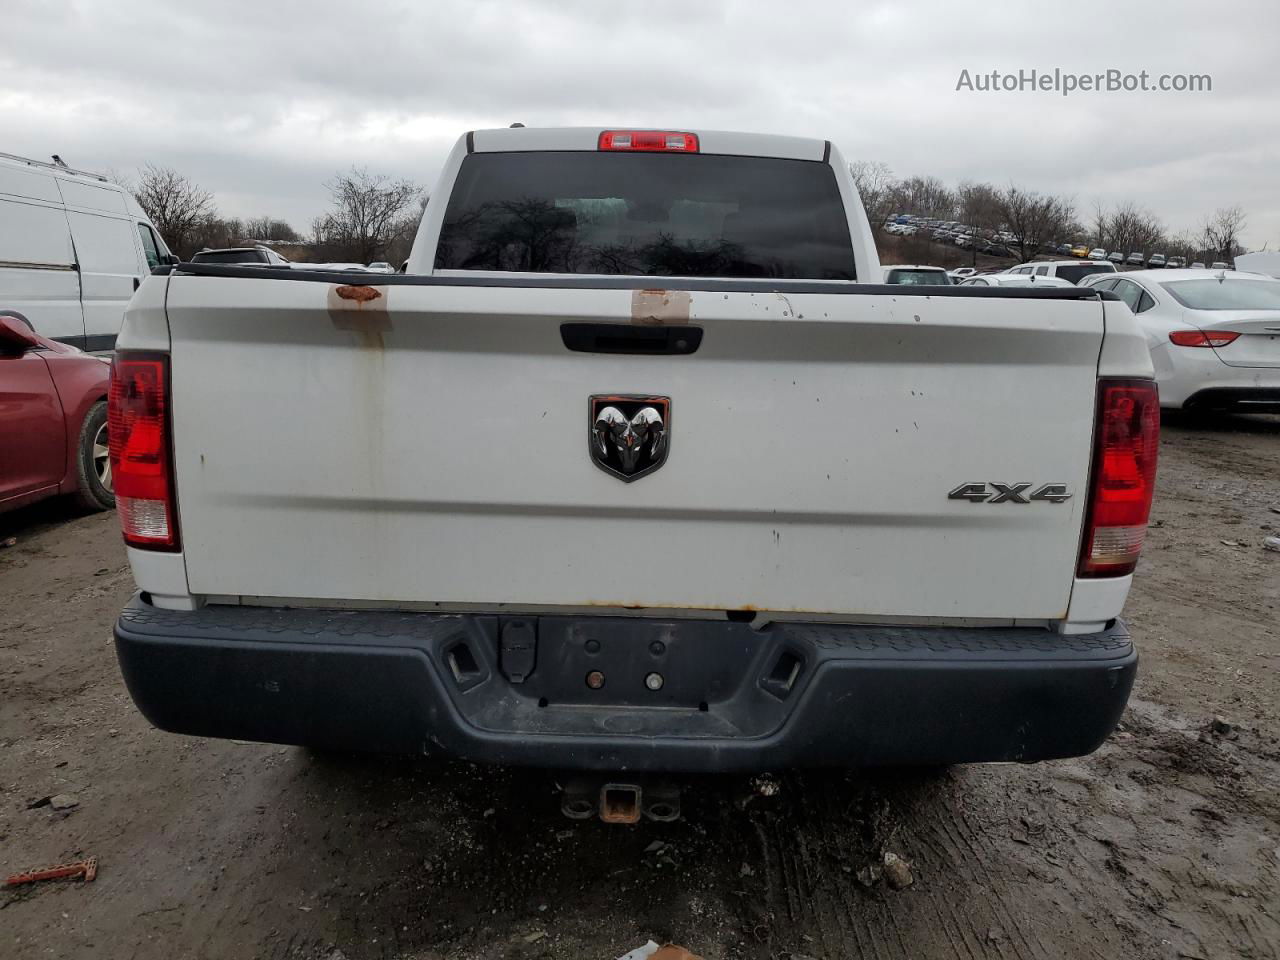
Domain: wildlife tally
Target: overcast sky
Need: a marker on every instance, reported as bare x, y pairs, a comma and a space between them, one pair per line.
261, 103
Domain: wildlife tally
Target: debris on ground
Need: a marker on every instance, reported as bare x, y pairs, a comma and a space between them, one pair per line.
766, 785
63, 801
651, 951
535, 936
897, 871
869, 875
1271, 543
1219, 729
63, 871
9, 542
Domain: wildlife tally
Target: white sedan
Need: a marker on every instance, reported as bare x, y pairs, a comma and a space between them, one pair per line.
1016, 280
1214, 337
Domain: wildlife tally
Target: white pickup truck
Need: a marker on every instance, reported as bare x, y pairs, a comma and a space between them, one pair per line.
632, 469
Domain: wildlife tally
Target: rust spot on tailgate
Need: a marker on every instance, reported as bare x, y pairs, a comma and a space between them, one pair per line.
362, 310
660, 306
359, 294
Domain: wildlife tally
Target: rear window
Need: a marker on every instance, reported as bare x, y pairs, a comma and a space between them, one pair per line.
228, 256
1075, 272
933, 278
1212, 294
690, 215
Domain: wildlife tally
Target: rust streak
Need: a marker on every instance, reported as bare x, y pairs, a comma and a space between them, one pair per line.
362, 310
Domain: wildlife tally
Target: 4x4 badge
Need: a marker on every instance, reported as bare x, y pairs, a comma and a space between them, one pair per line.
993, 492
628, 436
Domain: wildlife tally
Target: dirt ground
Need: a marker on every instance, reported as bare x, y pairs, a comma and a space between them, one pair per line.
1163, 844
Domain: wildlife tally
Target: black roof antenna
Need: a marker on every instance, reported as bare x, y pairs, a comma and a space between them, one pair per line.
58, 160
516, 124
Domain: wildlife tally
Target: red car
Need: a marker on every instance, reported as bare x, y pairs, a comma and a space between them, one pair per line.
53, 420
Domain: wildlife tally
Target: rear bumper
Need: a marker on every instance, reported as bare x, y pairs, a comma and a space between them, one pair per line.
732, 698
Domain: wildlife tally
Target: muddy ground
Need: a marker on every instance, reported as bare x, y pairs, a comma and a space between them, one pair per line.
1164, 844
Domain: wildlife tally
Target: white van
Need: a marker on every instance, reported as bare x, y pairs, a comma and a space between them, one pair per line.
73, 248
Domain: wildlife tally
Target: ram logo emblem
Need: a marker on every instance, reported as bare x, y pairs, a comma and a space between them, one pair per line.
629, 436
994, 492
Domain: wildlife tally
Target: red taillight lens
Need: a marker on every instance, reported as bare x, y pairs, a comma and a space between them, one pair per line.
1125, 444
141, 466
1201, 338
649, 141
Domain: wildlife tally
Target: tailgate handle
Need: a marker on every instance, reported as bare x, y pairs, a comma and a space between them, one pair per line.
624, 338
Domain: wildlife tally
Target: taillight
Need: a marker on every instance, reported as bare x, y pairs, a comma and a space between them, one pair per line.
1202, 338
141, 459
649, 141
1125, 443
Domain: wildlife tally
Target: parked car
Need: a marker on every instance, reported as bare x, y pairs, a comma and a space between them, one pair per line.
73, 248
1063, 250
916, 275
1080, 250
1219, 265
536, 529
1175, 263
1135, 259
1016, 280
259, 254
380, 266
1070, 270
1197, 265
1265, 262
1214, 342
961, 273
1157, 261
53, 420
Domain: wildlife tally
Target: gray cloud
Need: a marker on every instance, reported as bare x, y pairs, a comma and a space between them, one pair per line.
261, 104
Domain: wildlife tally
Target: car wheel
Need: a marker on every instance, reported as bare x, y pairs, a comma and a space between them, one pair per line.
93, 462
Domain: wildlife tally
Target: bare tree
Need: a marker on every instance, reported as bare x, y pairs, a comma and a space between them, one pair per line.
269, 228
177, 207
924, 196
368, 215
978, 207
874, 181
1101, 224
1221, 234
1131, 229
1033, 219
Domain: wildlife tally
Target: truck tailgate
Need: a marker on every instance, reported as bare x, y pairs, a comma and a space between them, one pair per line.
430, 444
